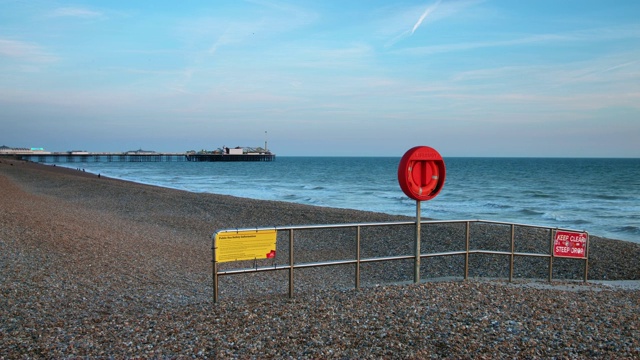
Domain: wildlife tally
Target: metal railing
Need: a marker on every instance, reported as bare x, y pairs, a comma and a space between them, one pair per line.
358, 260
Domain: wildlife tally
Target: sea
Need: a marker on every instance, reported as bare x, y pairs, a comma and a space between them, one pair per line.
599, 195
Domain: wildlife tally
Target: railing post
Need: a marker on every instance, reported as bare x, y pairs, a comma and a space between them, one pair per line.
513, 250
416, 262
551, 255
358, 257
466, 256
291, 264
215, 270
586, 260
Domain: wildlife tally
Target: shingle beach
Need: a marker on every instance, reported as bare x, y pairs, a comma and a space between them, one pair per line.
103, 268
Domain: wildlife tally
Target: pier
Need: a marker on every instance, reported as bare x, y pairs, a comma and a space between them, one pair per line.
88, 157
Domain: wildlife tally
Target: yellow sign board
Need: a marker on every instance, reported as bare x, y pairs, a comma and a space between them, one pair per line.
245, 245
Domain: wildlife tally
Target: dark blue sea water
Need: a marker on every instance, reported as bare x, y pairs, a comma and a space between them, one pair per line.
601, 196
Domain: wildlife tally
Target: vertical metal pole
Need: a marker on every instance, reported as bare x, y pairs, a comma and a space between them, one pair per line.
466, 256
513, 250
358, 257
416, 264
215, 270
551, 256
586, 260
215, 282
290, 263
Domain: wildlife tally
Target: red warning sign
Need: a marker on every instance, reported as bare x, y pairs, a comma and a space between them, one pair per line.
570, 244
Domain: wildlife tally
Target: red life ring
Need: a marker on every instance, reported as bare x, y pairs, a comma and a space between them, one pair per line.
421, 173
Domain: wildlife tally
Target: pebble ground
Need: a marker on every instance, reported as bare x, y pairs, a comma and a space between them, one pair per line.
100, 268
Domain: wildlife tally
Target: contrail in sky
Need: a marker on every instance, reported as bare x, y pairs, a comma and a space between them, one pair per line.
428, 11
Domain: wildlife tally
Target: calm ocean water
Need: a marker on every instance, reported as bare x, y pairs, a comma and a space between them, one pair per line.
601, 196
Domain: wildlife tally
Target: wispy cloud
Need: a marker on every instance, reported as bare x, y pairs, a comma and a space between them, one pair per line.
434, 12
590, 35
544, 38
427, 11
24, 51
565, 87
75, 12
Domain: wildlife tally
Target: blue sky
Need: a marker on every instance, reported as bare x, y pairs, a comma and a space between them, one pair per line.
345, 78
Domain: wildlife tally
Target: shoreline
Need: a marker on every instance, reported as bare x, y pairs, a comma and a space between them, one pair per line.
595, 229
103, 267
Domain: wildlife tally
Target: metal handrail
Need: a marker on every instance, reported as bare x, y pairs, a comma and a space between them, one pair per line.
291, 266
